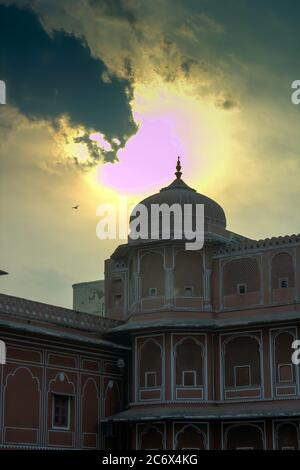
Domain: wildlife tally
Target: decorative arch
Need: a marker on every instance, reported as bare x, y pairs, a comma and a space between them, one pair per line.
287, 435
117, 299
244, 436
285, 375
284, 368
282, 268
188, 273
19, 368
190, 359
242, 361
244, 270
152, 274
195, 438
112, 398
22, 399
151, 438
89, 381
90, 412
150, 364
61, 384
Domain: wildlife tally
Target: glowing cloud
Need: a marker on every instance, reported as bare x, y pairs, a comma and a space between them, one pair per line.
171, 122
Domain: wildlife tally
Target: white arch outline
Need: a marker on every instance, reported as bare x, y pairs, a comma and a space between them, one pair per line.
223, 354
115, 382
277, 426
55, 379
203, 356
250, 424
273, 255
190, 425
90, 379
275, 334
257, 257
13, 373
182, 251
150, 426
149, 339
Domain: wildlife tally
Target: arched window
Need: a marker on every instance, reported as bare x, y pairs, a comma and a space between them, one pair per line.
152, 275
90, 413
189, 363
22, 401
112, 401
241, 276
282, 271
151, 438
284, 368
287, 436
117, 292
190, 437
188, 274
242, 362
244, 436
150, 365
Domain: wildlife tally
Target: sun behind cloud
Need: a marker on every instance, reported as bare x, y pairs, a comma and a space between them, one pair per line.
171, 122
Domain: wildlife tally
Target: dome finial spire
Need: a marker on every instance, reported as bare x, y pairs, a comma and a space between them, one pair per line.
178, 172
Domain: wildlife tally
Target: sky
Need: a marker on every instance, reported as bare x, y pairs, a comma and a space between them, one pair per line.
102, 95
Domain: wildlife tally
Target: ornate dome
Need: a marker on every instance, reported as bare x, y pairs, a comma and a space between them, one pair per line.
178, 192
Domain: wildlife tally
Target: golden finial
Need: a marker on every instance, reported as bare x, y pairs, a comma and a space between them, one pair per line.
178, 172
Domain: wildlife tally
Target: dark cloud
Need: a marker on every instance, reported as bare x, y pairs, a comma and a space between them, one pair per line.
47, 77
96, 153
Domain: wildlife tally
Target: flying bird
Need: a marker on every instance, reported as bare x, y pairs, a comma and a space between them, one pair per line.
75, 207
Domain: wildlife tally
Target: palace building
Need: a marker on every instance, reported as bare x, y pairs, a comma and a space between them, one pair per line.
194, 350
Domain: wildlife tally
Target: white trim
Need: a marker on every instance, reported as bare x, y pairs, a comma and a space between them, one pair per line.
81, 404
194, 378
193, 424
273, 334
258, 336
154, 425
234, 424
60, 428
110, 385
226, 260
183, 335
137, 388
290, 365
276, 424
147, 374
36, 380
249, 374
45, 373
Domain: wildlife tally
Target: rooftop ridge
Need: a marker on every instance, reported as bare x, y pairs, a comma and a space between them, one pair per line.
30, 309
261, 243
